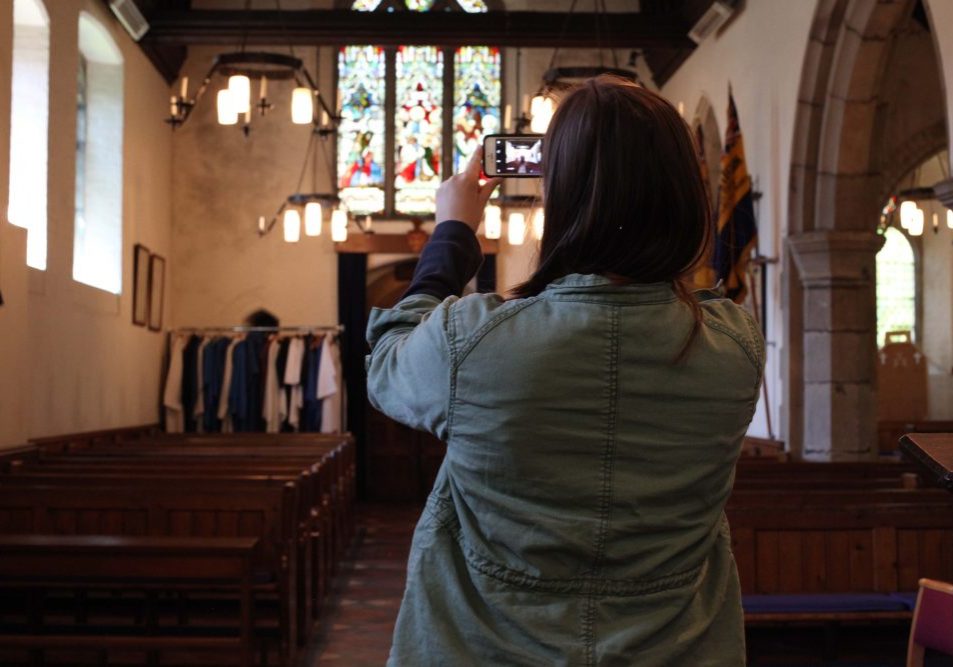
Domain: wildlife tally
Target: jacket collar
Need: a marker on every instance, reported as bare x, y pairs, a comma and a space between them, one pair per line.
601, 287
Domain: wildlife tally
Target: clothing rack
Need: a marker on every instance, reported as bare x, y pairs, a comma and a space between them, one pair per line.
223, 331
335, 328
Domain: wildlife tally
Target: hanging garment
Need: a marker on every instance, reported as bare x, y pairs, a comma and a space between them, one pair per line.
190, 388
213, 375
223, 413
271, 408
172, 396
281, 363
311, 409
292, 379
200, 385
330, 387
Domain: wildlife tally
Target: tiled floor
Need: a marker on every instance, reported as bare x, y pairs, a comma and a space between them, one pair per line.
368, 589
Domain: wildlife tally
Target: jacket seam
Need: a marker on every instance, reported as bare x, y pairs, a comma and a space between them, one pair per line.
451, 329
745, 345
492, 323
605, 502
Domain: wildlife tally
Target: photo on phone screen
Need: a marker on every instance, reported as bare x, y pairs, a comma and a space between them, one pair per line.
513, 155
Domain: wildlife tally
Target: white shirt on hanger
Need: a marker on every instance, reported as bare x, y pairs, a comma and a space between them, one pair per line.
172, 396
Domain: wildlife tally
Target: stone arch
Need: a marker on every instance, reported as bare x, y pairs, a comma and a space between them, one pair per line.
838, 178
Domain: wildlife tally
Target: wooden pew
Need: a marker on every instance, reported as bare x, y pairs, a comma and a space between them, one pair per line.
139, 509
42, 562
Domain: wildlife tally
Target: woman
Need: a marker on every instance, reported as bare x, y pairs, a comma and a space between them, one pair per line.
592, 422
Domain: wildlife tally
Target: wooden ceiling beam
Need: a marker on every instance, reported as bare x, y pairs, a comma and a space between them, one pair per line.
528, 29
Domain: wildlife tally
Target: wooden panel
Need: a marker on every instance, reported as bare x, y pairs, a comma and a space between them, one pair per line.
88, 522
204, 522
766, 542
250, 524
908, 559
742, 544
134, 522
790, 566
861, 560
931, 557
814, 561
838, 561
226, 524
180, 523
885, 559
63, 521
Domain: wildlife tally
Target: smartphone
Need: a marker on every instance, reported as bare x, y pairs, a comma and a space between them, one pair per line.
513, 155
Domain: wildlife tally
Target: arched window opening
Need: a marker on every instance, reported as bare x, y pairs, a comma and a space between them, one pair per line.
896, 286
444, 101
29, 121
97, 243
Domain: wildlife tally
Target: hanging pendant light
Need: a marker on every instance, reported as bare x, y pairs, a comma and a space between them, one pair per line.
239, 86
908, 212
541, 109
226, 110
312, 218
516, 228
916, 224
538, 224
292, 225
302, 106
493, 222
339, 225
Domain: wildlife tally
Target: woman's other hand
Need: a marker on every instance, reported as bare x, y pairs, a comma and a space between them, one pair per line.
461, 197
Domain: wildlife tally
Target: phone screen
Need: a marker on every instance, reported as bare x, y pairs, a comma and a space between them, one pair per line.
513, 155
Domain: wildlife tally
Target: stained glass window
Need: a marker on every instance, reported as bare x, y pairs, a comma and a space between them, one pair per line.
476, 99
361, 85
418, 121
393, 162
896, 285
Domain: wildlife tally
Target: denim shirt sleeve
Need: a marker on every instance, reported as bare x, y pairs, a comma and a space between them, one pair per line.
410, 367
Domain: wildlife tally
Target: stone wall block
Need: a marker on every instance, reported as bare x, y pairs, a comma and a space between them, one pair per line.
840, 424
840, 309
857, 201
879, 23
839, 357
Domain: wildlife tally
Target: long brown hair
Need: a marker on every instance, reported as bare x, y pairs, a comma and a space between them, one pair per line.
623, 191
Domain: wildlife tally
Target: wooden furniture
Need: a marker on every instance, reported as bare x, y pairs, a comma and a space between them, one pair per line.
292, 495
45, 563
933, 454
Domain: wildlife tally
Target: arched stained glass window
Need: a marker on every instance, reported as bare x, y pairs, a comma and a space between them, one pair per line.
896, 285
411, 114
361, 133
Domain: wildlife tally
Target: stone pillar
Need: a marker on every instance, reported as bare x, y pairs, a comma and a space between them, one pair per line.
838, 275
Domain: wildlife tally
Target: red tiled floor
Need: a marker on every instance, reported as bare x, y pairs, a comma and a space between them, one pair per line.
357, 625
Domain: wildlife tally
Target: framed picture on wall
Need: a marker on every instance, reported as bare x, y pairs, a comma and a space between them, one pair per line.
140, 285
156, 291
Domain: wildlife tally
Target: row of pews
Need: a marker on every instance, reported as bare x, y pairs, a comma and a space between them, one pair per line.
171, 549
818, 542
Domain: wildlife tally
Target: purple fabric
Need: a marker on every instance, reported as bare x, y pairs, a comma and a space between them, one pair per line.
935, 621
821, 602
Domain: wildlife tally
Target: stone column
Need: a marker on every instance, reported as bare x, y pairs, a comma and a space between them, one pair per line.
838, 274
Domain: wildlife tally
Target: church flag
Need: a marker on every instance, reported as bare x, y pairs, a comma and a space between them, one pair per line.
735, 233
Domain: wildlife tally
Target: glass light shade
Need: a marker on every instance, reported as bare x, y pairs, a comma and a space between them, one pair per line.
292, 225
916, 225
339, 225
226, 110
302, 106
949, 218
908, 211
541, 109
240, 88
312, 218
493, 222
539, 223
516, 231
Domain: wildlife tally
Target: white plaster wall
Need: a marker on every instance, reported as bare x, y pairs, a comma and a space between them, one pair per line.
760, 54
71, 358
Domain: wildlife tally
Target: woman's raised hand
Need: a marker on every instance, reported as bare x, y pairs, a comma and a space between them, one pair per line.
461, 197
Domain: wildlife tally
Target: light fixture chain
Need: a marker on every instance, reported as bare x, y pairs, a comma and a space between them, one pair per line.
284, 28
562, 36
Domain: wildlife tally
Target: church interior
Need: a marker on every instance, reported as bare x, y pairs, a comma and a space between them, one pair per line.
204, 200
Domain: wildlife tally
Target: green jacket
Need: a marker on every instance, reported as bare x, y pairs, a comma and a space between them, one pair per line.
577, 518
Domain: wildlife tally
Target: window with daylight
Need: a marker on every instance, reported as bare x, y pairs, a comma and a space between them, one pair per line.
97, 242
896, 285
29, 120
411, 114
